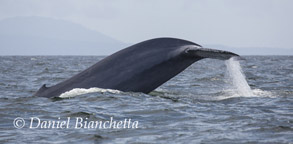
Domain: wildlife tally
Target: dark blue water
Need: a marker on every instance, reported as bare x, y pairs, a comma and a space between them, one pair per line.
200, 105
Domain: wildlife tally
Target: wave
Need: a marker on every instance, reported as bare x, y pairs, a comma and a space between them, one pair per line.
234, 93
81, 91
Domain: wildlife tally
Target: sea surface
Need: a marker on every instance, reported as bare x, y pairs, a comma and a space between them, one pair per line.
209, 102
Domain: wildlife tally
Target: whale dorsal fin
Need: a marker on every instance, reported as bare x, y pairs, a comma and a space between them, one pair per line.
44, 87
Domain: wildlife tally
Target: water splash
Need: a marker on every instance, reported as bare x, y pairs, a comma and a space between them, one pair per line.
81, 91
237, 78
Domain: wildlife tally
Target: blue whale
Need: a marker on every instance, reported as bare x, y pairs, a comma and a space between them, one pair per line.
139, 68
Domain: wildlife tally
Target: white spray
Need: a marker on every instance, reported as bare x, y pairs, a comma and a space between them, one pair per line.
237, 78
80, 91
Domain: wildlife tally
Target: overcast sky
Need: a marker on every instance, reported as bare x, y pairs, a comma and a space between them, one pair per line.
236, 23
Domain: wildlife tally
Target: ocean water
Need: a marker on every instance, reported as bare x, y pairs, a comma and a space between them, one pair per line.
209, 102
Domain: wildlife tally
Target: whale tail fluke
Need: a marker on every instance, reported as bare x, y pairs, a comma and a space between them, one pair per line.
138, 68
209, 53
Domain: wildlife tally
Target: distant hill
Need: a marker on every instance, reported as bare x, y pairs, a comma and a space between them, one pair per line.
253, 50
46, 36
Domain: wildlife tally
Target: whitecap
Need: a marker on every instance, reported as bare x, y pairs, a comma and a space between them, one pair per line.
81, 91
